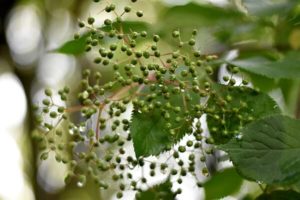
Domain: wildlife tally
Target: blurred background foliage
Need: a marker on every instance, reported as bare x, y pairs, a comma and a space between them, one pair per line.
33, 33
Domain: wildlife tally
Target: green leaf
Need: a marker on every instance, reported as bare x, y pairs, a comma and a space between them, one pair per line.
268, 150
193, 15
290, 91
201, 11
264, 83
215, 187
152, 132
288, 67
235, 107
161, 191
74, 47
280, 195
267, 7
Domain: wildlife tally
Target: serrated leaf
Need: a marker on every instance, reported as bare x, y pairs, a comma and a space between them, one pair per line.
280, 195
264, 83
288, 67
215, 187
73, 47
152, 133
161, 191
243, 105
268, 150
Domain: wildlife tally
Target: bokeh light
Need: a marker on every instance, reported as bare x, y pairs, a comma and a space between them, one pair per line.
24, 34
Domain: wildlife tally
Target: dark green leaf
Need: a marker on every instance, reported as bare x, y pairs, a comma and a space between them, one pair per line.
74, 47
287, 67
162, 191
216, 188
150, 132
290, 91
193, 15
280, 195
264, 83
242, 105
268, 150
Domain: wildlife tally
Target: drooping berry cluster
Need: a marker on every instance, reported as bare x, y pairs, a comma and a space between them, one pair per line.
172, 87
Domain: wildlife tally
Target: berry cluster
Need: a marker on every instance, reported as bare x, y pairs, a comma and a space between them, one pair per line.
171, 87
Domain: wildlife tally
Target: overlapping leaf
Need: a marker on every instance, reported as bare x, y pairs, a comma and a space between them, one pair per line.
268, 150
161, 191
215, 187
73, 47
194, 15
280, 195
288, 67
233, 108
151, 131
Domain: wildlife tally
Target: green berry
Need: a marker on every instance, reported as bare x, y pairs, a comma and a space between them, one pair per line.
53, 114
192, 42
91, 20
45, 110
107, 22
127, 9
139, 13
235, 70
81, 24
97, 60
232, 81
156, 38
119, 195
181, 149
66, 89
46, 102
44, 156
209, 70
245, 82
113, 47
184, 73
226, 78
143, 33
189, 143
60, 109
175, 34
194, 32
48, 92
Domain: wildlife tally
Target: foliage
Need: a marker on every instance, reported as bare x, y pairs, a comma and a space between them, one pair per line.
162, 191
280, 195
215, 187
268, 150
242, 106
272, 69
166, 85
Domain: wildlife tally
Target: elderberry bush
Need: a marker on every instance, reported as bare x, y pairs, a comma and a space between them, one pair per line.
135, 122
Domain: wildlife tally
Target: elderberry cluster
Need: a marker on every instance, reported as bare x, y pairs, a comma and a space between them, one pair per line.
172, 87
